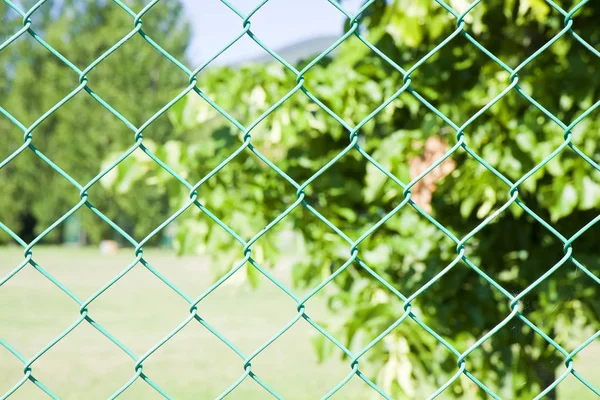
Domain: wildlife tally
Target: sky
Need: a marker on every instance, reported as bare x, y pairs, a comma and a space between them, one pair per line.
278, 23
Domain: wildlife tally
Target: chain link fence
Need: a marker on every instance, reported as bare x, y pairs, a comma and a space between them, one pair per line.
408, 317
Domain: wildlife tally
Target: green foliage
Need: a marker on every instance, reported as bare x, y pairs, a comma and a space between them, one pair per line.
408, 250
82, 134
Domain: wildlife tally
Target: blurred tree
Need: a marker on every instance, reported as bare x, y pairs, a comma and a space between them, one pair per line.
135, 80
406, 137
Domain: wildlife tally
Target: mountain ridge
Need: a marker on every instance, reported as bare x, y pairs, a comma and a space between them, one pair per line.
294, 52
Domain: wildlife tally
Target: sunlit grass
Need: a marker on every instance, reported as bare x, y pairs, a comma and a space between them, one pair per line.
139, 310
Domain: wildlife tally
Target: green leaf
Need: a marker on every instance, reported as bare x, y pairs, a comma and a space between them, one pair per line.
566, 203
590, 194
323, 346
467, 206
406, 31
538, 8
253, 275
485, 209
347, 213
526, 141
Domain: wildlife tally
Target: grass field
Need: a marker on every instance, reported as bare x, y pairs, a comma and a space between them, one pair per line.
140, 310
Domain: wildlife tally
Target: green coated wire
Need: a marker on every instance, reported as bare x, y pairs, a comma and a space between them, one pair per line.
139, 261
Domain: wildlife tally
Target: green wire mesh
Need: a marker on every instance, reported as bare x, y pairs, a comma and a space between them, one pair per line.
246, 245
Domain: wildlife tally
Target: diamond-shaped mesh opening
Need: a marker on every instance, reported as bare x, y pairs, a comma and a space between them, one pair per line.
469, 68
206, 43
304, 261
289, 371
149, 187
258, 92
288, 18
137, 79
21, 73
362, 95
581, 70
197, 375
30, 219
158, 305
559, 312
277, 310
95, 134
232, 196
68, 23
461, 325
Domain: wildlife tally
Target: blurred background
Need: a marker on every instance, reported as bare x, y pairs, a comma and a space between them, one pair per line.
83, 138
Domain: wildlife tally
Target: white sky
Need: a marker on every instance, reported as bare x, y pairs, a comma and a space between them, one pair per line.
278, 23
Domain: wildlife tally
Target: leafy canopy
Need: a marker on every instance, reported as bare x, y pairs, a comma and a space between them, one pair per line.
405, 137
135, 80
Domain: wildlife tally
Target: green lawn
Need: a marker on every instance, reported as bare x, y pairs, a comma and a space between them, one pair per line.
139, 310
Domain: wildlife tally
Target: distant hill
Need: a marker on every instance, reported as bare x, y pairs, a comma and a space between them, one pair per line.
296, 51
